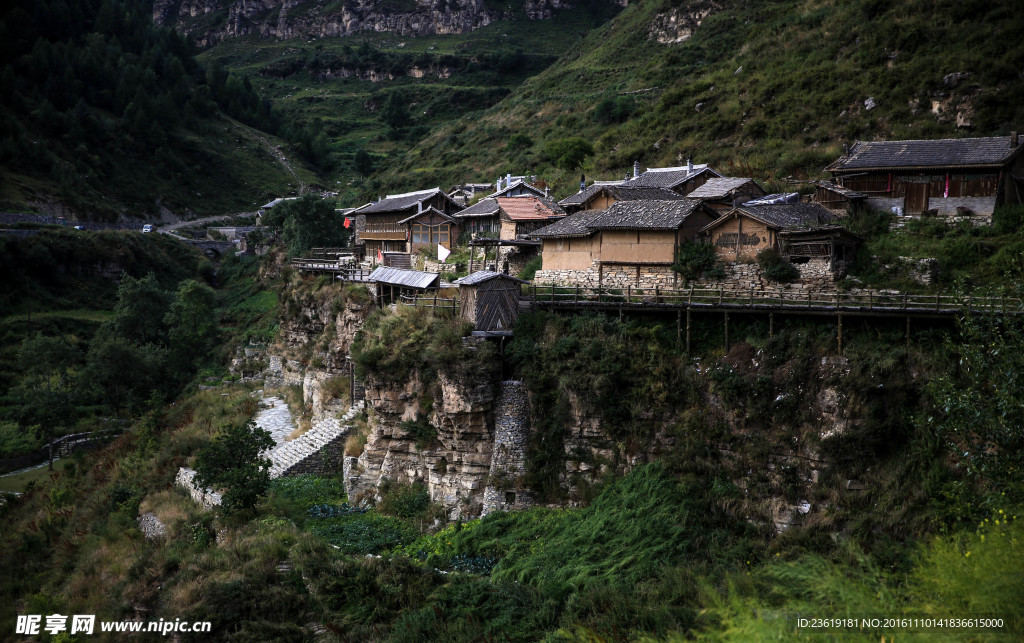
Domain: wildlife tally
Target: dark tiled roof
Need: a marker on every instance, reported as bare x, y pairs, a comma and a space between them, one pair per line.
947, 152
482, 208
480, 276
667, 177
399, 202
430, 210
645, 215
519, 183
790, 215
719, 187
574, 225
621, 193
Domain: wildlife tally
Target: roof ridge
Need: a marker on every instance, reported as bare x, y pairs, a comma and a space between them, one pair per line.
937, 140
405, 194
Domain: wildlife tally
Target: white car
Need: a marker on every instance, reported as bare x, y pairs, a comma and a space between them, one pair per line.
147, 228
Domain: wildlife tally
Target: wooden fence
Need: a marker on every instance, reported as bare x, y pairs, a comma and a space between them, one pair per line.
439, 304
347, 271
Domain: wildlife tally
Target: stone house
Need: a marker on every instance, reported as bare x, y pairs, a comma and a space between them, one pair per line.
682, 180
517, 186
386, 228
949, 177
725, 193
632, 243
749, 229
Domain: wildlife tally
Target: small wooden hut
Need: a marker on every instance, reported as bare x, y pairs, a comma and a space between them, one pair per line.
489, 300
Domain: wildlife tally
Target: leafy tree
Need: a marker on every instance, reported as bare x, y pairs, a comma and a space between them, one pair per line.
395, 110
569, 153
978, 409
776, 268
695, 260
192, 321
124, 374
519, 142
309, 222
363, 162
48, 385
140, 311
234, 462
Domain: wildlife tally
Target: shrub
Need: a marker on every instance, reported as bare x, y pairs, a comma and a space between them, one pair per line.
776, 268
695, 260
569, 153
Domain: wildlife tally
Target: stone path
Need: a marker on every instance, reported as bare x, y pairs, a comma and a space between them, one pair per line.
275, 416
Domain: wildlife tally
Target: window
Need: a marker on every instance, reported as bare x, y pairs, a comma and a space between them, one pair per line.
422, 233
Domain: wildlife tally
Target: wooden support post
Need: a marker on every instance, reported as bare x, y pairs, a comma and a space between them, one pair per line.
620, 313
936, 301
840, 335
657, 295
771, 325
726, 333
751, 303
908, 331
629, 296
576, 295
687, 331
679, 327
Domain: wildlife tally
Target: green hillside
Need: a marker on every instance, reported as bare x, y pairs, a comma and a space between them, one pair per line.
110, 117
763, 89
381, 94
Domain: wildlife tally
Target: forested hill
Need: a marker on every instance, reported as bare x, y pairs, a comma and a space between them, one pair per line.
763, 89
110, 116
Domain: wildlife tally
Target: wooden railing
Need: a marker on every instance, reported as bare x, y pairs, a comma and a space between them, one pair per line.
347, 271
439, 304
770, 300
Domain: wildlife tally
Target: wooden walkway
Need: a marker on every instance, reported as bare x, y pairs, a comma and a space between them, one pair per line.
346, 271
684, 302
768, 301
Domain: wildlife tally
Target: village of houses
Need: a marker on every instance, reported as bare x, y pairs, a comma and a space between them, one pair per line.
625, 234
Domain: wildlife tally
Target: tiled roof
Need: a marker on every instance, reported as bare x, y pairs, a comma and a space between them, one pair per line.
430, 210
645, 215
718, 188
947, 152
574, 225
480, 276
408, 278
399, 202
517, 183
621, 193
668, 177
482, 208
528, 208
789, 215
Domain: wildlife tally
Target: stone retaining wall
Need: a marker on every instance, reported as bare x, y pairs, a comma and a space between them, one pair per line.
205, 497
504, 490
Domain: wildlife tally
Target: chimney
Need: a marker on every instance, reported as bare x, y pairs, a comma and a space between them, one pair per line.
508, 180
636, 169
583, 182
419, 207
545, 191
1014, 139
689, 166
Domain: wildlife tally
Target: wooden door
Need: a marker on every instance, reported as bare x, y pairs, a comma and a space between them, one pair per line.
916, 200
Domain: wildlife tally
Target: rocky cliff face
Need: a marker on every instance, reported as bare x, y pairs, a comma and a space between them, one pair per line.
210, 21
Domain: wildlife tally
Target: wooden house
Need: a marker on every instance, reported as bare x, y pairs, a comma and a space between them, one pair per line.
838, 199
944, 176
489, 300
517, 186
429, 228
749, 229
725, 193
481, 219
602, 196
384, 230
831, 243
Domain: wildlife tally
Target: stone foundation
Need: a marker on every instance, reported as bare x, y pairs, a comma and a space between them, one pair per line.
205, 497
504, 491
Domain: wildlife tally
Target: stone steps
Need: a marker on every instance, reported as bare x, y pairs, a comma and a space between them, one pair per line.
287, 456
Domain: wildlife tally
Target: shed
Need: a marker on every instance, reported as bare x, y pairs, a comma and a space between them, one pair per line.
489, 300
394, 282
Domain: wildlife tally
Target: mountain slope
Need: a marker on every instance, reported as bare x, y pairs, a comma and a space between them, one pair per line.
106, 116
768, 89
